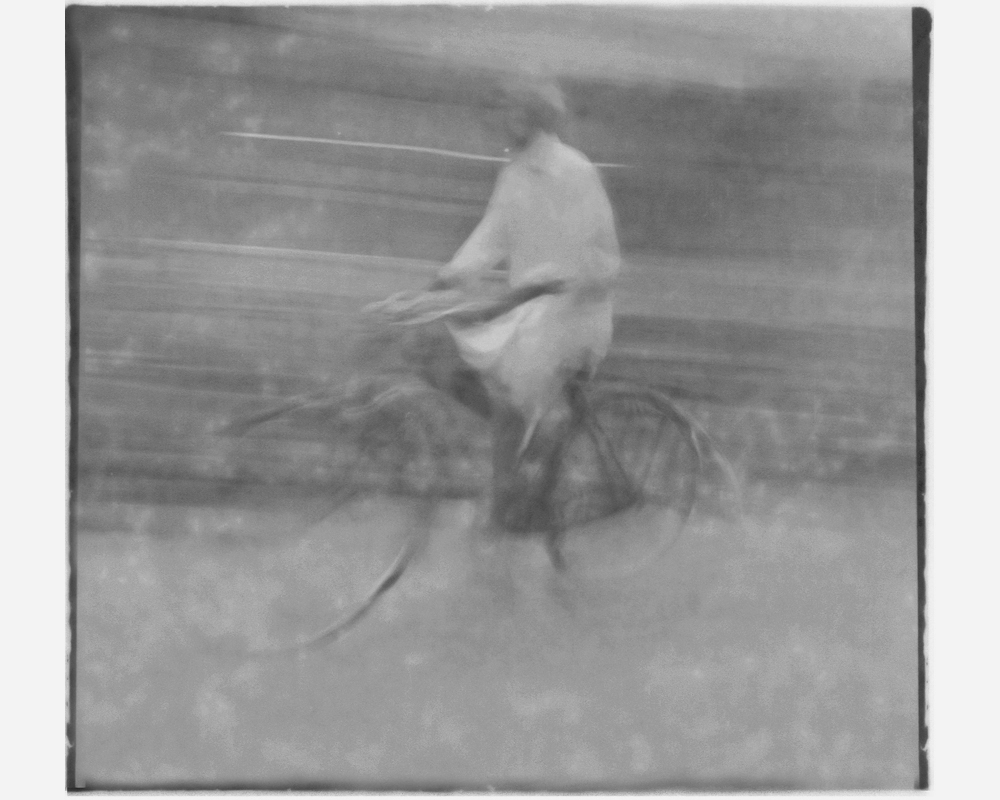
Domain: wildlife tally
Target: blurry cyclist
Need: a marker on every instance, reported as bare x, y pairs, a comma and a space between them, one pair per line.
550, 222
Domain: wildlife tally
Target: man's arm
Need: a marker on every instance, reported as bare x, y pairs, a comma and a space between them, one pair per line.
606, 255
487, 245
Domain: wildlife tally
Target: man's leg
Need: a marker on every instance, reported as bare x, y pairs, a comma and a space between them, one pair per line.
541, 465
557, 434
468, 388
508, 429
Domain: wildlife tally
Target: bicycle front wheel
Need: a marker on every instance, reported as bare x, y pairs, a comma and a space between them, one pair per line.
347, 490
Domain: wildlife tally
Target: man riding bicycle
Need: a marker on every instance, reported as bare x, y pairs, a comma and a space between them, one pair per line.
550, 220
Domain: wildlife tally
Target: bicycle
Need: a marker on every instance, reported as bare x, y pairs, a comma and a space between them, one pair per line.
628, 447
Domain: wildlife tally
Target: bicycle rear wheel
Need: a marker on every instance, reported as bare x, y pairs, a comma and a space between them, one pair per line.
629, 480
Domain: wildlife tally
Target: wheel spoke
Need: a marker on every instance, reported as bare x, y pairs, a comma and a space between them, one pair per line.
653, 453
631, 437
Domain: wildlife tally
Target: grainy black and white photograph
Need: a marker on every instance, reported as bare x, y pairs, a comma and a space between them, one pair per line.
496, 397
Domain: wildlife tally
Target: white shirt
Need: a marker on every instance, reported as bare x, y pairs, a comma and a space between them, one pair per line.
549, 217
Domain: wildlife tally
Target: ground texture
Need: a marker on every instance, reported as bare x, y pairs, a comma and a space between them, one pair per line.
779, 655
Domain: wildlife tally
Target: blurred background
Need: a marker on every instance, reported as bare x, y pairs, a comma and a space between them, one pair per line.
249, 177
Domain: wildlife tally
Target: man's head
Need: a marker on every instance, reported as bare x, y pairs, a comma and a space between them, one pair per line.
531, 108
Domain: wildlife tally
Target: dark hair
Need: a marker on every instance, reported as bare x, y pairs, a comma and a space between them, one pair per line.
541, 101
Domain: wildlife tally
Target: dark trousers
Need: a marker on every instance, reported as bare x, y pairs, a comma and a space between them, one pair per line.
523, 485
517, 505
518, 483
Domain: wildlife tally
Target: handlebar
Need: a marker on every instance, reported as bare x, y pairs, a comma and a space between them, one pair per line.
416, 308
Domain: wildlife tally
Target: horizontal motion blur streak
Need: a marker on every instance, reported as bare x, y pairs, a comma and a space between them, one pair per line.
408, 147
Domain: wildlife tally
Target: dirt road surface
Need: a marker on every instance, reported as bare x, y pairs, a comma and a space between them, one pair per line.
782, 655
